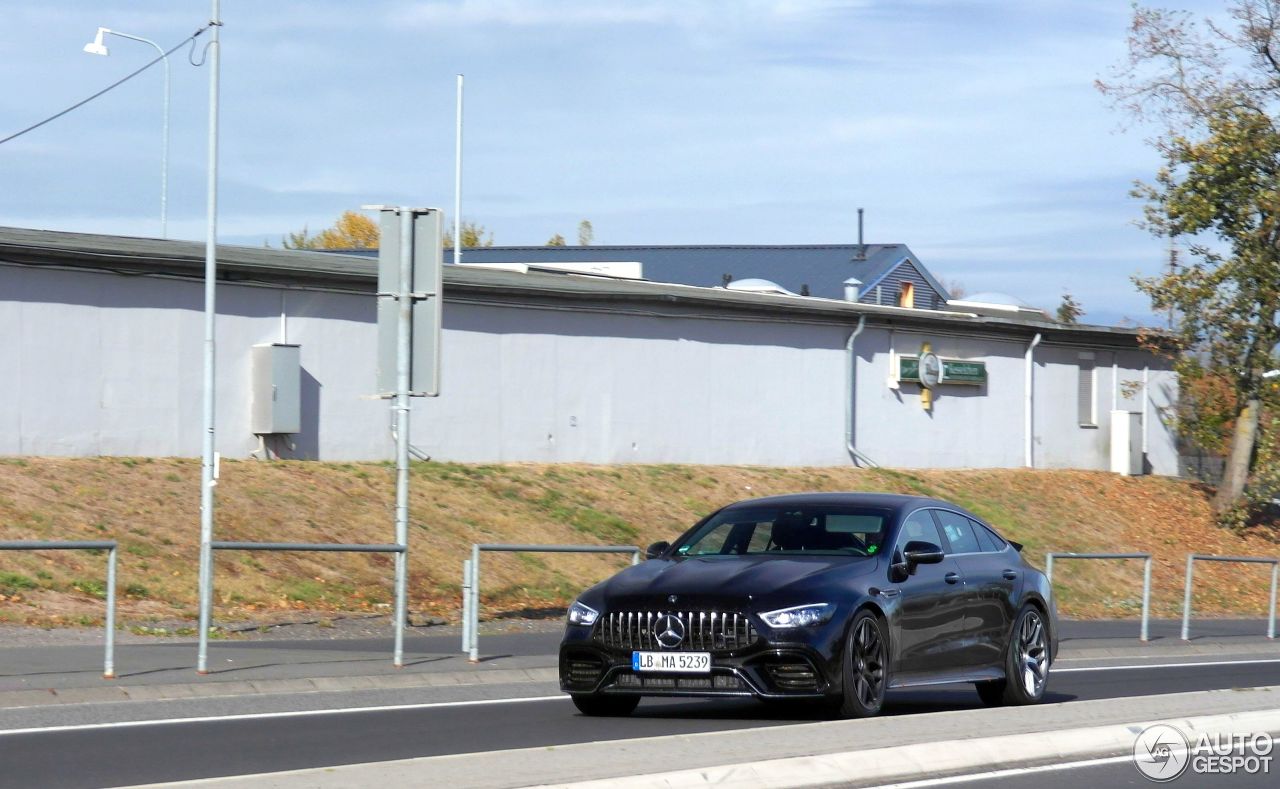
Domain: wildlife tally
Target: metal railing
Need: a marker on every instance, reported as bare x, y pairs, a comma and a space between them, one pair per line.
314, 547
109, 657
471, 581
1192, 558
1146, 577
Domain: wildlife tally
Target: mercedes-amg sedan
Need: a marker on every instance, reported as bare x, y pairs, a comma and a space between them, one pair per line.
830, 597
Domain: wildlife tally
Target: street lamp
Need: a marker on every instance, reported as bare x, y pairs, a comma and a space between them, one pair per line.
96, 47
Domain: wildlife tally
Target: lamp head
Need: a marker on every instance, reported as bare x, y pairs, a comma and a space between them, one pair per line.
96, 47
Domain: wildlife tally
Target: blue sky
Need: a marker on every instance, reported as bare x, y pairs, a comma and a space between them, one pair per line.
968, 129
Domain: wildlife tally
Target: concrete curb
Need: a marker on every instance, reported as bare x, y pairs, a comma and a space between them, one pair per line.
934, 760
18, 699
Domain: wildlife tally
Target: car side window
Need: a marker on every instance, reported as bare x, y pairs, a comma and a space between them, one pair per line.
989, 540
919, 525
959, 531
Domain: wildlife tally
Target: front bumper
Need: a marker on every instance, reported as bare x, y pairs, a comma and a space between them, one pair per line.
767, 669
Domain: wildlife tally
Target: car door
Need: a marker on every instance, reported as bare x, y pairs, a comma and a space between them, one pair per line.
930, 606
991, 583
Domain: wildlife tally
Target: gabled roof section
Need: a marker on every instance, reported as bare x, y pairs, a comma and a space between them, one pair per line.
822, 267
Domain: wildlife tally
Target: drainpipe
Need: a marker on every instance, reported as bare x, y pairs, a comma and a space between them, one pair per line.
851, 381
1029, 424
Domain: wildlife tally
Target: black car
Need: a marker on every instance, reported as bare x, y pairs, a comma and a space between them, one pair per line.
830, 597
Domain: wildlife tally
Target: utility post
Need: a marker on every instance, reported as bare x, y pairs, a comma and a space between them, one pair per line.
409, 310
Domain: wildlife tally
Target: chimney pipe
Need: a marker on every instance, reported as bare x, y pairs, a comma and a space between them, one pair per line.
862, 248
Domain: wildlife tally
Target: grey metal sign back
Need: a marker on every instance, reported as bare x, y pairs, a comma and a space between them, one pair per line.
425, 291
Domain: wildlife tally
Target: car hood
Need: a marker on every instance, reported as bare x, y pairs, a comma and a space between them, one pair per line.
732, 580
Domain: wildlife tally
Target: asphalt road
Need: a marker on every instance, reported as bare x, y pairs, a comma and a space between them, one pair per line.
176, 750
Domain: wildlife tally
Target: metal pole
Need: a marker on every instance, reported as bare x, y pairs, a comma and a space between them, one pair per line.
474, 649
1146, 597
404, 327
1028, 416
1186, 598
457, 182
207, 480
635, 558
466, 605
109, 660
1048, 568
1275, 580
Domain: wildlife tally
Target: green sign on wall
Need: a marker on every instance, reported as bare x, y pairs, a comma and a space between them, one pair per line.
954, 371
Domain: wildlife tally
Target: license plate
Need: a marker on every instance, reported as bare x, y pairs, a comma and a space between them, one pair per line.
681, 662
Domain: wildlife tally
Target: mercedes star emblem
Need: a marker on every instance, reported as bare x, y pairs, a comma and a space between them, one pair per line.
669, 631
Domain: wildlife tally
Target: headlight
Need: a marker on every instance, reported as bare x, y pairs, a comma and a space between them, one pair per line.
799, 616
580, 614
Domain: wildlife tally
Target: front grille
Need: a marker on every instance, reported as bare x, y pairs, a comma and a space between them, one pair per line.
717, 682
704, 631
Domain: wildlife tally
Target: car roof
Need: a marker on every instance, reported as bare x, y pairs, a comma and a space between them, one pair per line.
896, 502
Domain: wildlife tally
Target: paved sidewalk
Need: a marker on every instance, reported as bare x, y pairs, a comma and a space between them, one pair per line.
164, 669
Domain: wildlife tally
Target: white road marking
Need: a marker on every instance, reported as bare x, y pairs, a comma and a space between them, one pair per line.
1012, 772
269, 715
1191, 664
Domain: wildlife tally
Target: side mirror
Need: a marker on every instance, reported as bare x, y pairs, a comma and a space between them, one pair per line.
656, 550
920, 552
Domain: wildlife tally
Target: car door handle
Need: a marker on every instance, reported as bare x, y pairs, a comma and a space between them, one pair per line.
1010, 575
952, 578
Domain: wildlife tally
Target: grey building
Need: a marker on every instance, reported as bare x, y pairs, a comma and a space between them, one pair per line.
100, 353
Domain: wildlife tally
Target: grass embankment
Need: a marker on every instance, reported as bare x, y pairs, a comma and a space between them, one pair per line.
151, 507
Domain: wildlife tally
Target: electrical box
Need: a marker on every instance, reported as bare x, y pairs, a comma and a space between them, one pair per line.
1126, 443
277, 389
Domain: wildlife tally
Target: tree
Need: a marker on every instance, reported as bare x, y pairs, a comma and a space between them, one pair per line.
586, 233
1069, 311
1214, 91
955, 288
352, 230
474, 234
556, 241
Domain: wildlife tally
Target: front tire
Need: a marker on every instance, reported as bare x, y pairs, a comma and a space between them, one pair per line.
866, 674
1026, 665
605, 706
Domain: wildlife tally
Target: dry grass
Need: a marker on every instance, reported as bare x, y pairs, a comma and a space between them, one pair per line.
151, 507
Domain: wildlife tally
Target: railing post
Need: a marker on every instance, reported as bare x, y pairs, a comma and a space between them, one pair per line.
635, 558
1186, 598
1275, 578
109, 660
466, 605
1146, 598
1048, 568
474, 651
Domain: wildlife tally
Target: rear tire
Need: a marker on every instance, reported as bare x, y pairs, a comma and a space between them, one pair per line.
1026, 659
605, 706
866, 668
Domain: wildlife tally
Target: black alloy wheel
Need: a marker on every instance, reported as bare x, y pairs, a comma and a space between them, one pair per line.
605, 706
865, 667
1026, 663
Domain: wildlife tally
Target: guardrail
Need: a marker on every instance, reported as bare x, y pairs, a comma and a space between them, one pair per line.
1200, 557
471, 581
1146, 577
109, 658
397, 658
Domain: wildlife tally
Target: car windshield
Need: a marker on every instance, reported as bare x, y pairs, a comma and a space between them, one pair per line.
789, 530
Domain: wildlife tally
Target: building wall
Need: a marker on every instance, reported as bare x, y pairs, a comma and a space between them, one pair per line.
99, 363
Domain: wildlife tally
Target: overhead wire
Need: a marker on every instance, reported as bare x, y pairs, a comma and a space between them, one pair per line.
108, 88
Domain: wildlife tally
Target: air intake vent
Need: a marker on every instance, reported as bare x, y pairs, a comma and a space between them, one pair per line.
793, 676
584, 670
